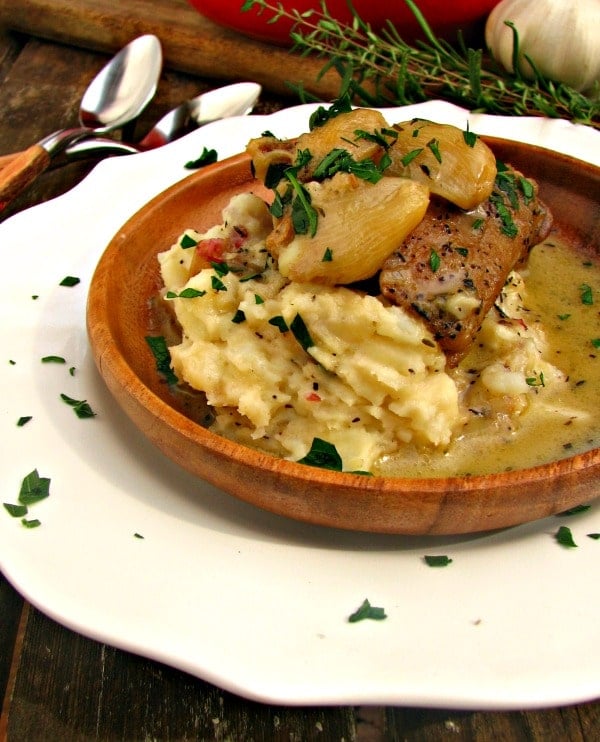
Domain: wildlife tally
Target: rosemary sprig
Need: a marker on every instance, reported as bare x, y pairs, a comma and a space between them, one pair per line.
381, 69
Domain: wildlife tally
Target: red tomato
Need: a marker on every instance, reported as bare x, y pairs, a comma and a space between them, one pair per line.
444, 16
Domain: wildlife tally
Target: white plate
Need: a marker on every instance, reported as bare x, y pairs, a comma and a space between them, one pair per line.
252, 602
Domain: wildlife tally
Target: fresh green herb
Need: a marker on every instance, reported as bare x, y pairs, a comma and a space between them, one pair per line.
565, 537
340, 160
327, 256
279, 322
70, 281
80, 407
434, 146
586, 294
434, 261
16, 511
238, 317
35, 297
366, 610
23, 420
221, 269
138, 535
508, 227
207, 157
575, 510
34, 488
596, 342
53, 359
322, 115
304, 215
275, 174
186, 242
469, 137
563, 317
536, 380
217, 284
162, 357
381, 138
72, 371
301, 333
381, 69
526, 188
437, 561
323, 455
258, 299
33, 523
187, 293
595, 536
11, 362
410, 156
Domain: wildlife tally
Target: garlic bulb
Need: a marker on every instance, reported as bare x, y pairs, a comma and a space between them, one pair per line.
560, 37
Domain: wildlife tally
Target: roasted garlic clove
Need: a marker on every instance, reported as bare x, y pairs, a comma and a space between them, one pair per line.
359, 226
267, 151
345, 131
452, 163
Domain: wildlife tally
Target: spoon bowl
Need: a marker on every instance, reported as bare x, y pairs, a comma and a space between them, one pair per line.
117, 95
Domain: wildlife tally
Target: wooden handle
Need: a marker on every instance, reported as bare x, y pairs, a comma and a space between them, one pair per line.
6, 159
21, 172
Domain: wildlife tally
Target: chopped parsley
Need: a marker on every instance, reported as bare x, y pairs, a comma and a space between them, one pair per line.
469, 137
410, 156
53, 359
162, 357
217, 284
595, 536
565, 537
238, 317
327, 256
186, 242
279, 322
323, 455
80, 407
34, 489
434, 261
258, 299
15, 511
23, 420
586, 294
322, 115
70, 281
207, 157
536, 380
434, 146
437, 561
366, 610
187, 293
301, 333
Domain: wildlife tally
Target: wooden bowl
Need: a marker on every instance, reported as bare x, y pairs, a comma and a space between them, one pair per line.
119, 318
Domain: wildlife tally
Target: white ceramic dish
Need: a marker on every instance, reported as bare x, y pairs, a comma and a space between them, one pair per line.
247, 600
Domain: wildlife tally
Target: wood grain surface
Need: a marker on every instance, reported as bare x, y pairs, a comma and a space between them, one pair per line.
191, 43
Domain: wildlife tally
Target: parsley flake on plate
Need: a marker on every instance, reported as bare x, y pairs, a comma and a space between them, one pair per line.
565, 537
70, 281
437, 561
366, 610
80, 407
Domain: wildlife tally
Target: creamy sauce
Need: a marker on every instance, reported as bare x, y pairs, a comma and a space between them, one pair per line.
568, 422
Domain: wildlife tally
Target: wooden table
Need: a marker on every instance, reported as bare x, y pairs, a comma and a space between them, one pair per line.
57, 685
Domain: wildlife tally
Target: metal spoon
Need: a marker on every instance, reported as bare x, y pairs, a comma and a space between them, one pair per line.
231, 100
117, 95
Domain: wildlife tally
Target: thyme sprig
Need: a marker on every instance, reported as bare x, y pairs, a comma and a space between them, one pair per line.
381, 69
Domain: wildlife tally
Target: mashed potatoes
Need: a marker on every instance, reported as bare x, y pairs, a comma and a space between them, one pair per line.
284, 363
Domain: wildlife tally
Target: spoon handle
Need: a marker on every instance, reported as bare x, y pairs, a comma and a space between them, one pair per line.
21, 172
6, 159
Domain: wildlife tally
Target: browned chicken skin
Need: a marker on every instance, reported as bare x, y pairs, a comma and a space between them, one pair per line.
452, 267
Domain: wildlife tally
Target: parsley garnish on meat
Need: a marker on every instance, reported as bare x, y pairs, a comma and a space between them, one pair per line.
366, 610
586, 294
322, 115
